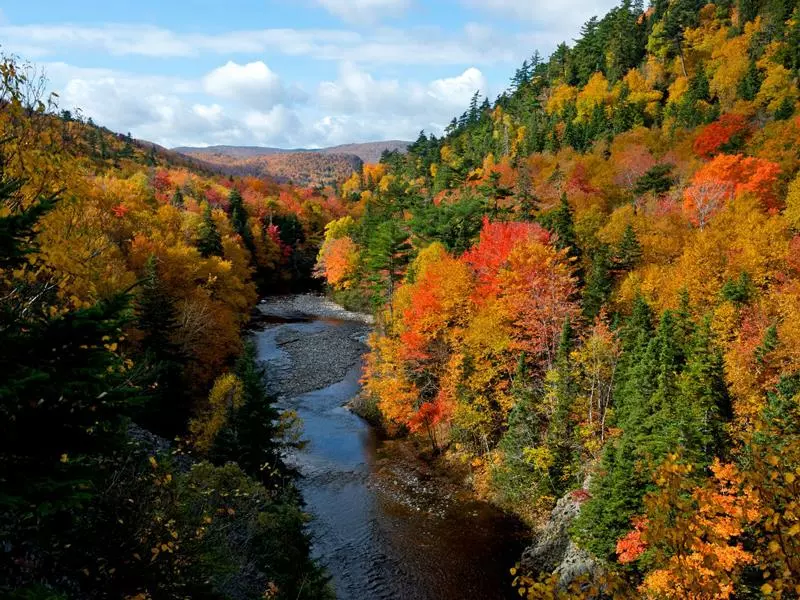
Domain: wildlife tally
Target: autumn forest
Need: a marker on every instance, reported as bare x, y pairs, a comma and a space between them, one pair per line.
587, 303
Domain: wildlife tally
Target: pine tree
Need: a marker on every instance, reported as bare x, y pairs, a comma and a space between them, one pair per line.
156, 317
177, 199
239, 218
657, 180
629, 252
387, 254
62, 397
599, 283
252, 437
560, 431
209, 241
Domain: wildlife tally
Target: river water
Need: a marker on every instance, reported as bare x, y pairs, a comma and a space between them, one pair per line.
380, 525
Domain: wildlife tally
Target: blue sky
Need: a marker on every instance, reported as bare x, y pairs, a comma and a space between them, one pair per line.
299, 73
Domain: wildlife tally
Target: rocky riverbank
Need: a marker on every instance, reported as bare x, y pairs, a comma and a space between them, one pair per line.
304, 343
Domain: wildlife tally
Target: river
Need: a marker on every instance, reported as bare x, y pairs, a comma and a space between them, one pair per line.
381, 525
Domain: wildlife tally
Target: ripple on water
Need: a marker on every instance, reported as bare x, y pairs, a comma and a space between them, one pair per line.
382, 532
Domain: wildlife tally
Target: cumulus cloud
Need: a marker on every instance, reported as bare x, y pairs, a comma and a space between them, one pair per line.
253, 84
365, 11
357, 92
356, 106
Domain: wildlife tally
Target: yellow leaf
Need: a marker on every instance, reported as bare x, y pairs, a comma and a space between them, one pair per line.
766, 589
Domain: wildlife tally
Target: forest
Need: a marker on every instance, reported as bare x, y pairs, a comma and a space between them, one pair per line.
140, 455
590, 289
586, 290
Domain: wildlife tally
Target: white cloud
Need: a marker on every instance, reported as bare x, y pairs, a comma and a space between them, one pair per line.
253, 84
418, 46
358, 92
560, 19
365, 11
173, 112
278, 126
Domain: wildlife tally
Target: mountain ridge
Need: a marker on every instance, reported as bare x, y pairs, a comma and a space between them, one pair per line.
368, 152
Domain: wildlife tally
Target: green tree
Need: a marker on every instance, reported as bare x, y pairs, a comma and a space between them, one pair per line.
157, 319
629, 252
209, 241
388, 253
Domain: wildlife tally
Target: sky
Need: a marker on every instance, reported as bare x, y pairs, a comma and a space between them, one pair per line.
291, 73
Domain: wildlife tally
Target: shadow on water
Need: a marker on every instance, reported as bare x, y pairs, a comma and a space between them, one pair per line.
379, 535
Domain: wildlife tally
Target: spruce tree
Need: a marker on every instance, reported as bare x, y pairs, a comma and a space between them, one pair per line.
703, 403
388, 252
157, 319
252, 437
528, 203
177, 199
209, 241
599, 283
563, 226
560, 432
629, 252
785, 109
62, 397
239, 218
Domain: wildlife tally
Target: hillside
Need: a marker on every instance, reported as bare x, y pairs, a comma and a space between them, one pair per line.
586, 301
128, 274
588, 292
324, 166
368, 152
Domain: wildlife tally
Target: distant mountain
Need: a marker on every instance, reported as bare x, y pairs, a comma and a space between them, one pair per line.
369, 152
321, 166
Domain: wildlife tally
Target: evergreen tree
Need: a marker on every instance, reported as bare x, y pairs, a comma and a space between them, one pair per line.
563, 226
629, 252
599, 283
209, 241
703, 403
560, 431
62, 396
157, 319
239, 218
657, 180
785, 110
751, 82
252, 436
388, 252
528, 203
177, 199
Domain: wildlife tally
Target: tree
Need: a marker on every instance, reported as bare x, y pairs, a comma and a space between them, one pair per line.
387, 255
209, 241
239, 217
254, 435
177, 199
563, 226
657, 180
157, 319
599, 283
629, 252
62, 397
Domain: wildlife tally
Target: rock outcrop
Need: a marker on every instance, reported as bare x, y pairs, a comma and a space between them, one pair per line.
553, 551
